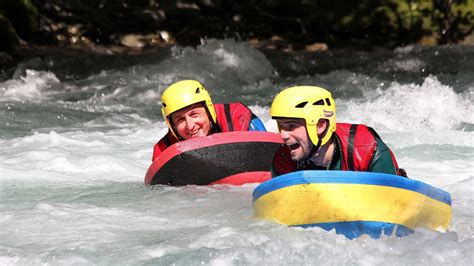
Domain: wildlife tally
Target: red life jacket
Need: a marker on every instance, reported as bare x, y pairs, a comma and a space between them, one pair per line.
358, 146
230, 117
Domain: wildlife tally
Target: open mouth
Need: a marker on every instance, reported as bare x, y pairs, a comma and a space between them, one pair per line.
293, 147
194, 133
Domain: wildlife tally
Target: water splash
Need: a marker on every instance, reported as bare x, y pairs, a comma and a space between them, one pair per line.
32, 87
76, 143
409, 107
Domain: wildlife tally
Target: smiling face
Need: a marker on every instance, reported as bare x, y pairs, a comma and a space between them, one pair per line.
294, 135
191, 121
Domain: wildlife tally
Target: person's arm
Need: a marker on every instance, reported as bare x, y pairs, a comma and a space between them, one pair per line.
383, 160
282, 163
156, 151
274, 172
256, 124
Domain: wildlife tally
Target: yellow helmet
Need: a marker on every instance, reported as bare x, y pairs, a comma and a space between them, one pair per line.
310, 103
182, 94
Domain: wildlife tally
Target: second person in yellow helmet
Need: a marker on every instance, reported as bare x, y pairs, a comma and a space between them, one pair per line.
306, 118
189, 112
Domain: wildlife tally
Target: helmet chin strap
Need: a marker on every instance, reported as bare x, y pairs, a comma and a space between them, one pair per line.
314, 149
214, 127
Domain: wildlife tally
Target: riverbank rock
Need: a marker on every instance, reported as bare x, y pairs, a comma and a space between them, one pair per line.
469, 40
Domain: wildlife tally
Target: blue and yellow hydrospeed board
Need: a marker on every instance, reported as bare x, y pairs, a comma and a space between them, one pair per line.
353, 203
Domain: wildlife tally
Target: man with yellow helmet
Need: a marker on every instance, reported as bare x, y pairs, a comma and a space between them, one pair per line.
189, 112
306, 117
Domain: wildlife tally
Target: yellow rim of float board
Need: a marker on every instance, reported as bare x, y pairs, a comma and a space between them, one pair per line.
314, 203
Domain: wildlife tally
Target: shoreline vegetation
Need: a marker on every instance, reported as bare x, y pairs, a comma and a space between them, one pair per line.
42, 27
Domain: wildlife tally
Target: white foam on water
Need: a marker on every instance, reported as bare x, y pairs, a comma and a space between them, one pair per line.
32, 87
264, 114
417, 121
119, 155
402, 64
228, 59
238, 62
74, 194
408, 107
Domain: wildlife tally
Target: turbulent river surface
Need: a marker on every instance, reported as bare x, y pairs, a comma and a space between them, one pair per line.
77, 132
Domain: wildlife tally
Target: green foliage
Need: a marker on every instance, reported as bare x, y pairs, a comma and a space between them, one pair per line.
452, 20
18, 18
23, 15
102, 19
10, 40
380, 22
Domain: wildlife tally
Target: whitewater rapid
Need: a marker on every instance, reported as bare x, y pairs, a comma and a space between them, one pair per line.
76, 139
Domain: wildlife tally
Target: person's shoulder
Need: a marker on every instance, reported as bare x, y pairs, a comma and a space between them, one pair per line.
346, 127
167, 140
231, 105
237, 104
372, 131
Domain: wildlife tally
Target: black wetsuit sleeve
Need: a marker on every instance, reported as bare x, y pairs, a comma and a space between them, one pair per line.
274, 172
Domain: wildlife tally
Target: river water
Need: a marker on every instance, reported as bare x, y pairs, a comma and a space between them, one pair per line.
77, 132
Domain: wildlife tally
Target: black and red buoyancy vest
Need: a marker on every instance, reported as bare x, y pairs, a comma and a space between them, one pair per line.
357, 147
230, 117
